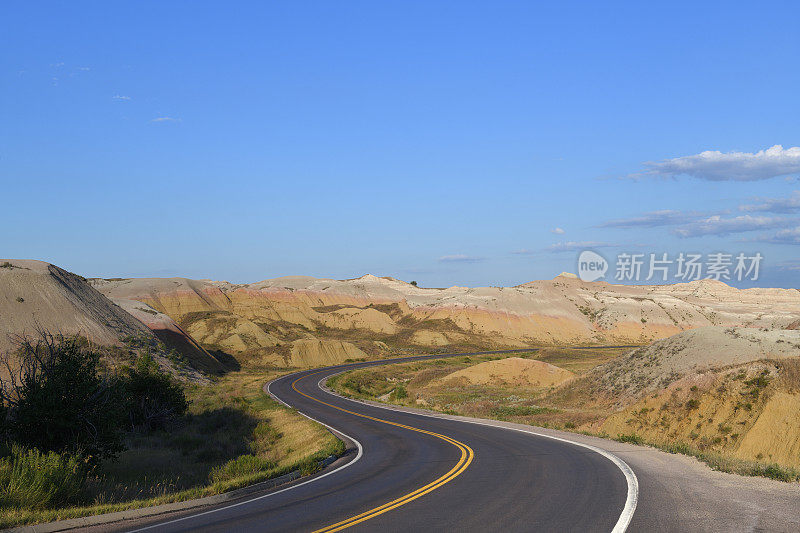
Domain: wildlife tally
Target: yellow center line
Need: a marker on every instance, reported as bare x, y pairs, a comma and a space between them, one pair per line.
464, 461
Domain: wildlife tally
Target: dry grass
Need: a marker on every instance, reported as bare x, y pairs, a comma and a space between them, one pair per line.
229, 421
501, 402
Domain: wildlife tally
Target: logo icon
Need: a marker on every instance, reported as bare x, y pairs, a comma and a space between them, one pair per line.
591, 266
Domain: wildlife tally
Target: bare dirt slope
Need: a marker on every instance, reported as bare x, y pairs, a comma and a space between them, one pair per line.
172, 335
266, 318
734, 392
651, 368
37, 294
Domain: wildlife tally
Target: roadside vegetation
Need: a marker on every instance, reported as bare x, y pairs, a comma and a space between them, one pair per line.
82, 434
706, 416
420, 384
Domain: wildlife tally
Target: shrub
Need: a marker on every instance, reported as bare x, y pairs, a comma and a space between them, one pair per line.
243, 465
692, 404
633, 438
58, 402
152, 398
399, 393
32, 479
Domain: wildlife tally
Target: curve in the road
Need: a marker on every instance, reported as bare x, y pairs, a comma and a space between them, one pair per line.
506, 480
631, 499
464, 461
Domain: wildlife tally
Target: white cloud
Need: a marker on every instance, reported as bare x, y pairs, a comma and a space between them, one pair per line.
666, 217
460, 258
120, 97
784, 236
573, 246
789, 204
716, 225
557, 231
731, 166
166, 119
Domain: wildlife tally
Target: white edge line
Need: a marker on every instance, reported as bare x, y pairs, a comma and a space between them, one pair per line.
631, 500
350, 463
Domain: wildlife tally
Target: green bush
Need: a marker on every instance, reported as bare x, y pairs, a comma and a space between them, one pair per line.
152, 398
399, 393
243, 465
633, 438
32, 479
60, 403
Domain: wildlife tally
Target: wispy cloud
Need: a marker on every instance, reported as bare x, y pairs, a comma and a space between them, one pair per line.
784, 236
557, 231
716, 225
525, 251
728, 166
789, 204
666, 217
574, 246
120, 97
166, 119
460, 258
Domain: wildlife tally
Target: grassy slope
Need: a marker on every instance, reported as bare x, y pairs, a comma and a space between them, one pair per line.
502, 402
234, 435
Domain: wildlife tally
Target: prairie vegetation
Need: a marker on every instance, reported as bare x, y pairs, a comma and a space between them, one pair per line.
423, 385
83, 434
740, 418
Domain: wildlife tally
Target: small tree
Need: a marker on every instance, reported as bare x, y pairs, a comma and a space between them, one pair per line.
152, 398
57, 401
414, 283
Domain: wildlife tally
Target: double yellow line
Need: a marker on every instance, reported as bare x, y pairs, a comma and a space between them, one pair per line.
464, 461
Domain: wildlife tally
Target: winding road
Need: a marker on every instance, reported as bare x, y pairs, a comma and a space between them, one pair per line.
412, 472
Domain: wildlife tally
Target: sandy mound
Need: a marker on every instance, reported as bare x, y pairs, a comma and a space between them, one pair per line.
510, 371
230, 333
315, 352
429, 338
34, 293
353, 318
655, 366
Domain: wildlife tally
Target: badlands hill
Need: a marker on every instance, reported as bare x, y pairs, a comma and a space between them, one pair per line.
732, 391
510, 371
650, 368
275, 321
37, 295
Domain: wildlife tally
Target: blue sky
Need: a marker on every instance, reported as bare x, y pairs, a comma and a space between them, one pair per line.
447, 142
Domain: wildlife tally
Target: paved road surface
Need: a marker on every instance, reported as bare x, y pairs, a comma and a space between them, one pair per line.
411, 472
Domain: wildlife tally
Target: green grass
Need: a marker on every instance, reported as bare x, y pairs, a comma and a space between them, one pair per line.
503, 412
36, 480
233, 436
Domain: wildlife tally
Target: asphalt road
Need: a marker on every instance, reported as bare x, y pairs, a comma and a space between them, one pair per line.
410, 472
